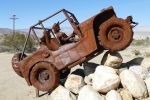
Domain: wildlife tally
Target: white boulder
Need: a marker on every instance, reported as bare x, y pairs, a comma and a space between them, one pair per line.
113, 60
105, 79
61, 93
147, 81
140, 71
123, 66
134, 84
88, 79
74, 83
146, 63
126, 95
88, 93
113, 95
146, 98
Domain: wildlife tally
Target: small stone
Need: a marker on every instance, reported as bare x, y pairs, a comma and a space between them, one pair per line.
113, 60
74, 83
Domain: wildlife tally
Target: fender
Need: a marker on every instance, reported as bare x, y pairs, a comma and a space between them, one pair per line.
30, 61
100, 18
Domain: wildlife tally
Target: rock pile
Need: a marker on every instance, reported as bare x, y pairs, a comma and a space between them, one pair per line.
111, 80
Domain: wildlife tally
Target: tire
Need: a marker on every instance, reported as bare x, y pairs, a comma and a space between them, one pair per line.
15, 63
44, 76
115, 34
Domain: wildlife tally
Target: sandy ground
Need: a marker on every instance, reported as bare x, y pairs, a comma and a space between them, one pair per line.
13, 87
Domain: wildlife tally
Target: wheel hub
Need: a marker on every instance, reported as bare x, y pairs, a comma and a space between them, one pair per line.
115, 34
43, 76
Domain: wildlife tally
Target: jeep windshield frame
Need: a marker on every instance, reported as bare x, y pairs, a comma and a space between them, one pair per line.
68, 16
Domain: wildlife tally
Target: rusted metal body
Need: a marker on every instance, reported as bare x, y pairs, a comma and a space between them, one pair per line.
103, 31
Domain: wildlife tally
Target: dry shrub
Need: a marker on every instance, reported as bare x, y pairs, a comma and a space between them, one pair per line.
136, 52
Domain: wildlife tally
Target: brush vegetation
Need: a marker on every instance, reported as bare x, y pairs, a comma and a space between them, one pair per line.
15, 43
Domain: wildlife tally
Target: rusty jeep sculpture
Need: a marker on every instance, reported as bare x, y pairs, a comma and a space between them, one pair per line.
103, 31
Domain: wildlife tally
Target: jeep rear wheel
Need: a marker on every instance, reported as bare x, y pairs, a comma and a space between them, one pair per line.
44, 76
115, 34
15, 63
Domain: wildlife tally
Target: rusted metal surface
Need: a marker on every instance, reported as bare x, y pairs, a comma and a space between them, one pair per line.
44, 76
103, 31
115, 34
15, 63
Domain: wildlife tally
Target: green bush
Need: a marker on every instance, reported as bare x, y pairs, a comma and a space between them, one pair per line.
141, 42
15, 42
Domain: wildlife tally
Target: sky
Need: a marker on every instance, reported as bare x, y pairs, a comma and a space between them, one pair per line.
30, 11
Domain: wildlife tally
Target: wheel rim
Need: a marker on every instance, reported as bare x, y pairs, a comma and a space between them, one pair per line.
44, 76
115, 34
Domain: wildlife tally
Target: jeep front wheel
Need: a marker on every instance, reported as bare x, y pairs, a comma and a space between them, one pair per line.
44, 76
